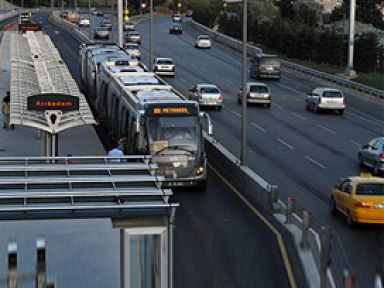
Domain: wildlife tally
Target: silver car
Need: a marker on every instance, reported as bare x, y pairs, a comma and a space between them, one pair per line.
84, 22
207, 95
129, 26
257, 93
203, 41
133, 49
133, 36
101, 33
324, 98
164, 66
372, 155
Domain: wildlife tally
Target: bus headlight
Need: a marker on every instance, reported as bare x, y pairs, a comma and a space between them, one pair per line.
200, 170
176, 164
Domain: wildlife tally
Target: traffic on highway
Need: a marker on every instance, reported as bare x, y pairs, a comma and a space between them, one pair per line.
321, 143
306, 154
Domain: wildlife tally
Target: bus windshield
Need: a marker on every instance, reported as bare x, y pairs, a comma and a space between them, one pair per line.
173, 133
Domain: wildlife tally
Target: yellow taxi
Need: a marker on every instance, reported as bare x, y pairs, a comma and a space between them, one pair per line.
360, 199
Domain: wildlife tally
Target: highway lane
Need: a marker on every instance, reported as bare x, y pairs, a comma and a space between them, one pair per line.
304, 153
219, 242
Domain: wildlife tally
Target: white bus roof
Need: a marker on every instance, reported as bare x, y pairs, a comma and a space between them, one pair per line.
156, 96
135, 80
125, 69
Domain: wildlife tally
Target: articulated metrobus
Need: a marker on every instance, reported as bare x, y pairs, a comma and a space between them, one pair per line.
154, 118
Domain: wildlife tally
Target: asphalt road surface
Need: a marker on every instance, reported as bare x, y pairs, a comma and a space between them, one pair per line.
302, 152
219, 241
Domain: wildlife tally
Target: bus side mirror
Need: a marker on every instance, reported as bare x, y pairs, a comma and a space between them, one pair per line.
209, 123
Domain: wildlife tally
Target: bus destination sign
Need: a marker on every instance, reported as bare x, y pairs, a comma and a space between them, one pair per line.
53, 102
172, 110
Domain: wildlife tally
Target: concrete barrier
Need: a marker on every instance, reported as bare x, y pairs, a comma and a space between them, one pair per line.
242, 178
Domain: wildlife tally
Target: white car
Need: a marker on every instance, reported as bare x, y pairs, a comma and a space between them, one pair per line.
133, 36
325, 98
177, 17
257, 93
203, 41
129, 26
207, 95
133, 49
84, 22
101, 33
164, 66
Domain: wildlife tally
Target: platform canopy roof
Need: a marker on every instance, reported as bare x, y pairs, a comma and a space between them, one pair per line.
38, 69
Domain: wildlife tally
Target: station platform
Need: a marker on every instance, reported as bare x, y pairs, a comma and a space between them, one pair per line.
25, 141
80, 253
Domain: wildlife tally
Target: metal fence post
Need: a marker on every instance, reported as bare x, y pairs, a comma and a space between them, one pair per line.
325, 255
274, 198
305, 229
12, 265
349, 279
290, 203
378, 283
41, 279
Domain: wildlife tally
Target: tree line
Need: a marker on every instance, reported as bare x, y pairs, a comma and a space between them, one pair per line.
297, 37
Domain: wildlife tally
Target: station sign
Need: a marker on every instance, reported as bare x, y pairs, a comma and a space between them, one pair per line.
53, 101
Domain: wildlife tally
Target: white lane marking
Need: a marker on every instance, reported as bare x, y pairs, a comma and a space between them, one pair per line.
57, 32
258, 127
367, 120
284, 143
183, 80
277, 105
235, 113
298, 116
355, 143
326, 129
291, 89
315, 162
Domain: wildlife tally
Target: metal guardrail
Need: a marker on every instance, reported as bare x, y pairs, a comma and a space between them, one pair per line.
237, 45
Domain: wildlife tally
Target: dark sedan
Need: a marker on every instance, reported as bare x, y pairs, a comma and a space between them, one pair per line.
176, 29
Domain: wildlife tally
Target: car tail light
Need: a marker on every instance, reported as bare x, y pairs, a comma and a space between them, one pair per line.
248, 95
319, 101
344, 102
381, 156
269, 97
221, 97
362, 205
200, 95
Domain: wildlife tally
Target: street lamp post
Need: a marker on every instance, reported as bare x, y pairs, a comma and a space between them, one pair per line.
90, 20
243, 156
151, 35
120, 22
349, 72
